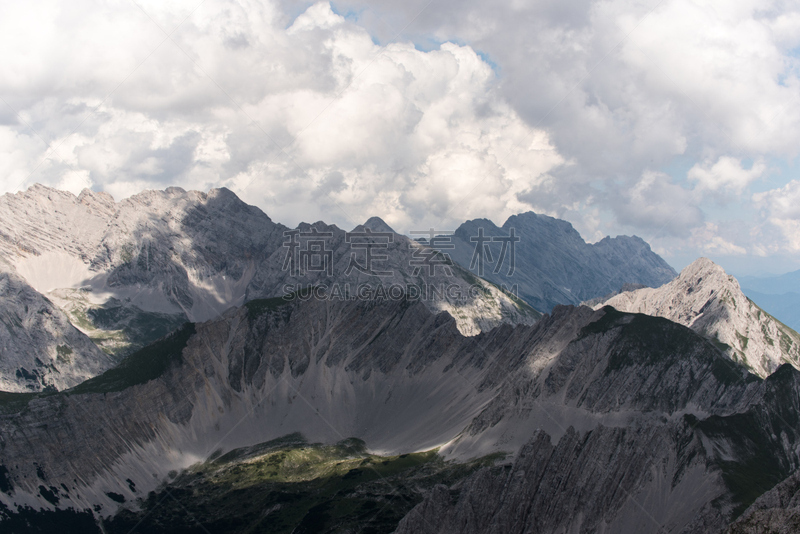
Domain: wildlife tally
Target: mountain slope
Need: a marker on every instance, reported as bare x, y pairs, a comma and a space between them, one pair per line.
554, 265
610, 417
710, 302
329, 370
39, 348
291, 485
684, 474
407, 266
776, 511
777, 295
170, 251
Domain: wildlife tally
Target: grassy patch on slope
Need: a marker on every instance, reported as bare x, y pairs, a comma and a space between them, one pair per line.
293, 488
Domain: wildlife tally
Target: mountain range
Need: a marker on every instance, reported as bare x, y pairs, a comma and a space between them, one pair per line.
126, 273
178, 362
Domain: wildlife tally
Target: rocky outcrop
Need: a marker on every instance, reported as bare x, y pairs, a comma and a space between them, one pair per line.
625, 477
684, 474
775, 512
710, 302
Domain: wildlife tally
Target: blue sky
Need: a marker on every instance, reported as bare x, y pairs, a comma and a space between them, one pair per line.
677, 121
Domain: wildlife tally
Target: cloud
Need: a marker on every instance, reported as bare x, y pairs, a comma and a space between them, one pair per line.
620, 116
624, 88
781, 203
649, 80
781, 209
308, 118
708, 240
657, 204
75, 181
726, 173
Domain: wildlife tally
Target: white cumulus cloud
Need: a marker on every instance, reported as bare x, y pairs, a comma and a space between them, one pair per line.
781, 207
308, 118
725, 173
617, 115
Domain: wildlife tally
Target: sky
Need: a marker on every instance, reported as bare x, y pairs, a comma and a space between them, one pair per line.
677, 121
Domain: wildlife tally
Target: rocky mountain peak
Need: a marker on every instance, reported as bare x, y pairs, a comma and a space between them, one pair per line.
704, 267
553, 264
630, 240
545, 225
376, 224
709, 301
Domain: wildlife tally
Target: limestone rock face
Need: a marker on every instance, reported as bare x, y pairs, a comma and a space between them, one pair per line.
168, 251
391, 372
710, 302
602, 449
404, 266
620, 473
553, 264
39, 348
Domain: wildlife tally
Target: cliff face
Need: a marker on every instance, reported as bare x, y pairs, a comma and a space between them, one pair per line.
776, 511
39, 348
554, 265
609, 417
711, 303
